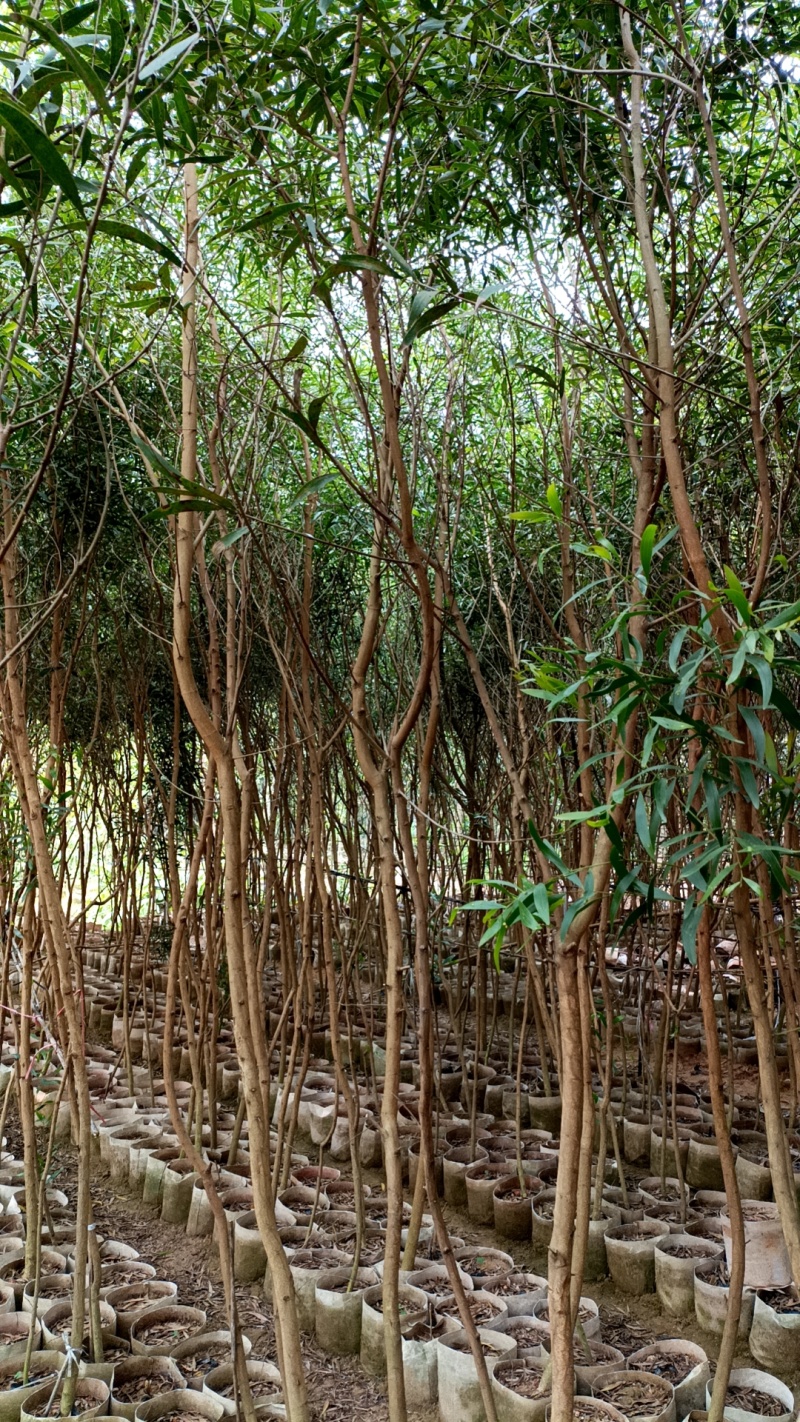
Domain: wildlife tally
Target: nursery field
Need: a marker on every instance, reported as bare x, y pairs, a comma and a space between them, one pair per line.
399, 710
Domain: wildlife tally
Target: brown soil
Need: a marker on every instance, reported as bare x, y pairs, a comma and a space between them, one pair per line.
168, 1333
672, 1366
635, 1397
749, 1399
479, 1267
139, 1389
781, 1300
522, 1377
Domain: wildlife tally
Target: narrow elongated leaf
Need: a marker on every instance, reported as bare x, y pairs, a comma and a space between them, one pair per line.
692, 914
155, 458
738, 597
530, 516
646, 545
127, 233
314, 486
554, 500
79, 66
41, 148
169, 56
542, 901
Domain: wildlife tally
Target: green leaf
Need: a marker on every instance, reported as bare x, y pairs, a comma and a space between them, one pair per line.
76, 16
784, 617
646, 544
541, 900
764, 671
298, 349
41, 148
168, 56
222, 544
427, 315
643, 824
127, 233
314, 486
692, 914
738, 597
554, 501
315, 410
74, 59
530, 516
750, 717
155, 458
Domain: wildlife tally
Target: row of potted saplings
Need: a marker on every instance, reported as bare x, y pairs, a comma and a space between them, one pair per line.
159, 1360
663, 1382
683, 1266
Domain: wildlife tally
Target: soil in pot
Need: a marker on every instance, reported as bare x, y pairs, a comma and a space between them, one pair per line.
160, 1329
196, 1357
486, 1310
638, 1396
522, 1376
483, 1264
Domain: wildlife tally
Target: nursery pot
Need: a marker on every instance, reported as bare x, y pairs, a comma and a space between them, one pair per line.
44, 1368
596, 1263
480, 1180
482, 1264
703, 1167
90, 1390
181, 1400
542, 1218
413, 1305
766, 1259
14, 1331
603, 1360
198, 1354
545, 1113
760, 1382
690, 1390
265, 1385
420, 1357
249, 1254
775, 1333
630, 1250
132, 1300
159, 1329
510, 1400
512, 1205
121, 1272
308, 1268
456, 1162
675, 1258
519, 1292
338, 1309
616, 1387
711, 1301
459, 1390
176, 1196
133, 1373
588, 1316
58, 1321
635, 1138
